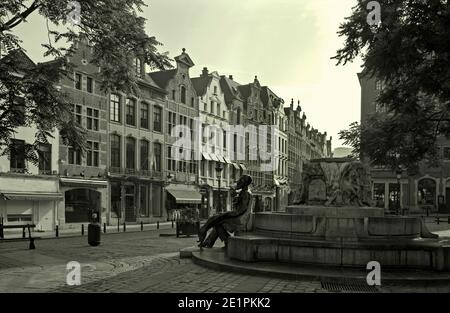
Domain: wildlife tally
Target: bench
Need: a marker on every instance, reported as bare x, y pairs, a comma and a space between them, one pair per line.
439, 217
28, 226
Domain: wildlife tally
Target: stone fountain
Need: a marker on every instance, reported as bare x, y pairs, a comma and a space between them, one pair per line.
335, 225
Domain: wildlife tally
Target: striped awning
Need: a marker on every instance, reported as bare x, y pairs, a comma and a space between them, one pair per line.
243, 166
227, 160
214, 157
185, 195
207, 156
236, 166
32, 196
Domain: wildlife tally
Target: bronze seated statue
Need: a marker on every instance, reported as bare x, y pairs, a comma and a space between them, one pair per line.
221, 225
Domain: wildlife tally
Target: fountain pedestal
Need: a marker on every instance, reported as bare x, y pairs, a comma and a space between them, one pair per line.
342, 231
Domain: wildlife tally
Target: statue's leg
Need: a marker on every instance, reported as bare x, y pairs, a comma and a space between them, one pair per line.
211, 239
222, 233
203, 231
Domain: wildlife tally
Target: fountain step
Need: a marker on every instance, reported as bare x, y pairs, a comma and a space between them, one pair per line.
404, 253
218, 260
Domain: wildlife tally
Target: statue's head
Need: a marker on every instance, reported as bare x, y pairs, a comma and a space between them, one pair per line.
243, 182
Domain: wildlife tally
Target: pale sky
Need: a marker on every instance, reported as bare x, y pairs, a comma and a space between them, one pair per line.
286, 43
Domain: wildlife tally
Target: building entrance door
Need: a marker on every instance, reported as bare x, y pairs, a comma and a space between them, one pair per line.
447, 200
130, 204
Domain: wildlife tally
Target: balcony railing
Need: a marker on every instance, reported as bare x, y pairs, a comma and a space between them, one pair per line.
134, 172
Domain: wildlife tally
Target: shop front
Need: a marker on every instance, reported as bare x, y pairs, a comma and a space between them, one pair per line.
180, 197
82, 198
29, 200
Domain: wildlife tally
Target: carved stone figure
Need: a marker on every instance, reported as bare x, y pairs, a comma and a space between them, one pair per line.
221, 225
347, 182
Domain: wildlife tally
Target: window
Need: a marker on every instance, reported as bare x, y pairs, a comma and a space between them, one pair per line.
138, 67
238, 116
115, 151
157, 118
215, 90
218, 109
192, 102
143, 208
172, 122
77, 113
192, 164
90, 85
92, 119
45, 159
380, 108
173, 95
144, 115
224, 139
157, 156
18, 111
74, 156
171, 163
131, 112
205, 107
130, 153
446, 151
181, 161
78, 81
92, 154
144, 155
212, 107
17, 156
379, 85
183, 94
114, 108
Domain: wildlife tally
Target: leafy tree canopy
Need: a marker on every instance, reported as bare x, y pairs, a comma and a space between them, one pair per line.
113, 28
409, 51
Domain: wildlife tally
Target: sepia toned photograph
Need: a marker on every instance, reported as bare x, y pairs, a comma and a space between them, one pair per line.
225, 152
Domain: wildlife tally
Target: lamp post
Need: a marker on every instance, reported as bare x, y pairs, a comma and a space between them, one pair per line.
219, 170
399, 176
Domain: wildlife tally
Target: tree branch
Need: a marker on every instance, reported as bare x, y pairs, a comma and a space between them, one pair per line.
19, 18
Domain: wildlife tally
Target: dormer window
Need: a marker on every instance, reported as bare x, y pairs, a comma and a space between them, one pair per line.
138, 67
215, 90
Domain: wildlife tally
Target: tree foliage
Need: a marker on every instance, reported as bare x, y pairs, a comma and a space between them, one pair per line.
409, 51
113, 28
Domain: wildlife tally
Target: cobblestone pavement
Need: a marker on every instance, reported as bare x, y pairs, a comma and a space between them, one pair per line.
138, 262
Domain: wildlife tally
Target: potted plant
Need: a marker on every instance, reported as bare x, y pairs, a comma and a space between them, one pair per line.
189, 222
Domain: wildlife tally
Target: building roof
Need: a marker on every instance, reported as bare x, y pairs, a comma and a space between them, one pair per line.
162, 78
230, 89
201, 84
18, 58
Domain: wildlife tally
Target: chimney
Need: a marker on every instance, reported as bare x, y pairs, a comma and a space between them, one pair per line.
230, 77
205, 72
292, 104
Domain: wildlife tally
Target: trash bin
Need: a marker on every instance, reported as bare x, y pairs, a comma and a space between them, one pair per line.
94, 231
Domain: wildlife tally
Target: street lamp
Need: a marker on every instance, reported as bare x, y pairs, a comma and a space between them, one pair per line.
399, 176
219, 170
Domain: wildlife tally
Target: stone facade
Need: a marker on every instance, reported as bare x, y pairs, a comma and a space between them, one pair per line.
428, 191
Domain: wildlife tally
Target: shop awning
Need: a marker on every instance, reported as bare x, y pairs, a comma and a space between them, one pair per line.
236, 166
80, 182
214, 157
207, 156
32, 196
242, 166
221, 158
185, 196
227, 160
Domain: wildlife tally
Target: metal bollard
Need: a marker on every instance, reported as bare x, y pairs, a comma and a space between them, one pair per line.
57, 231
82, 229
157, 225
118, 226
437, 220
124, 227
142, 226
104, 228
23, 232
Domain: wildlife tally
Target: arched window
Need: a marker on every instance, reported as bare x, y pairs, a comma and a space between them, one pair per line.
183, 94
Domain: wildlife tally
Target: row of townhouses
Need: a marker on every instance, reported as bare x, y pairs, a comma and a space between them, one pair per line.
182, 142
